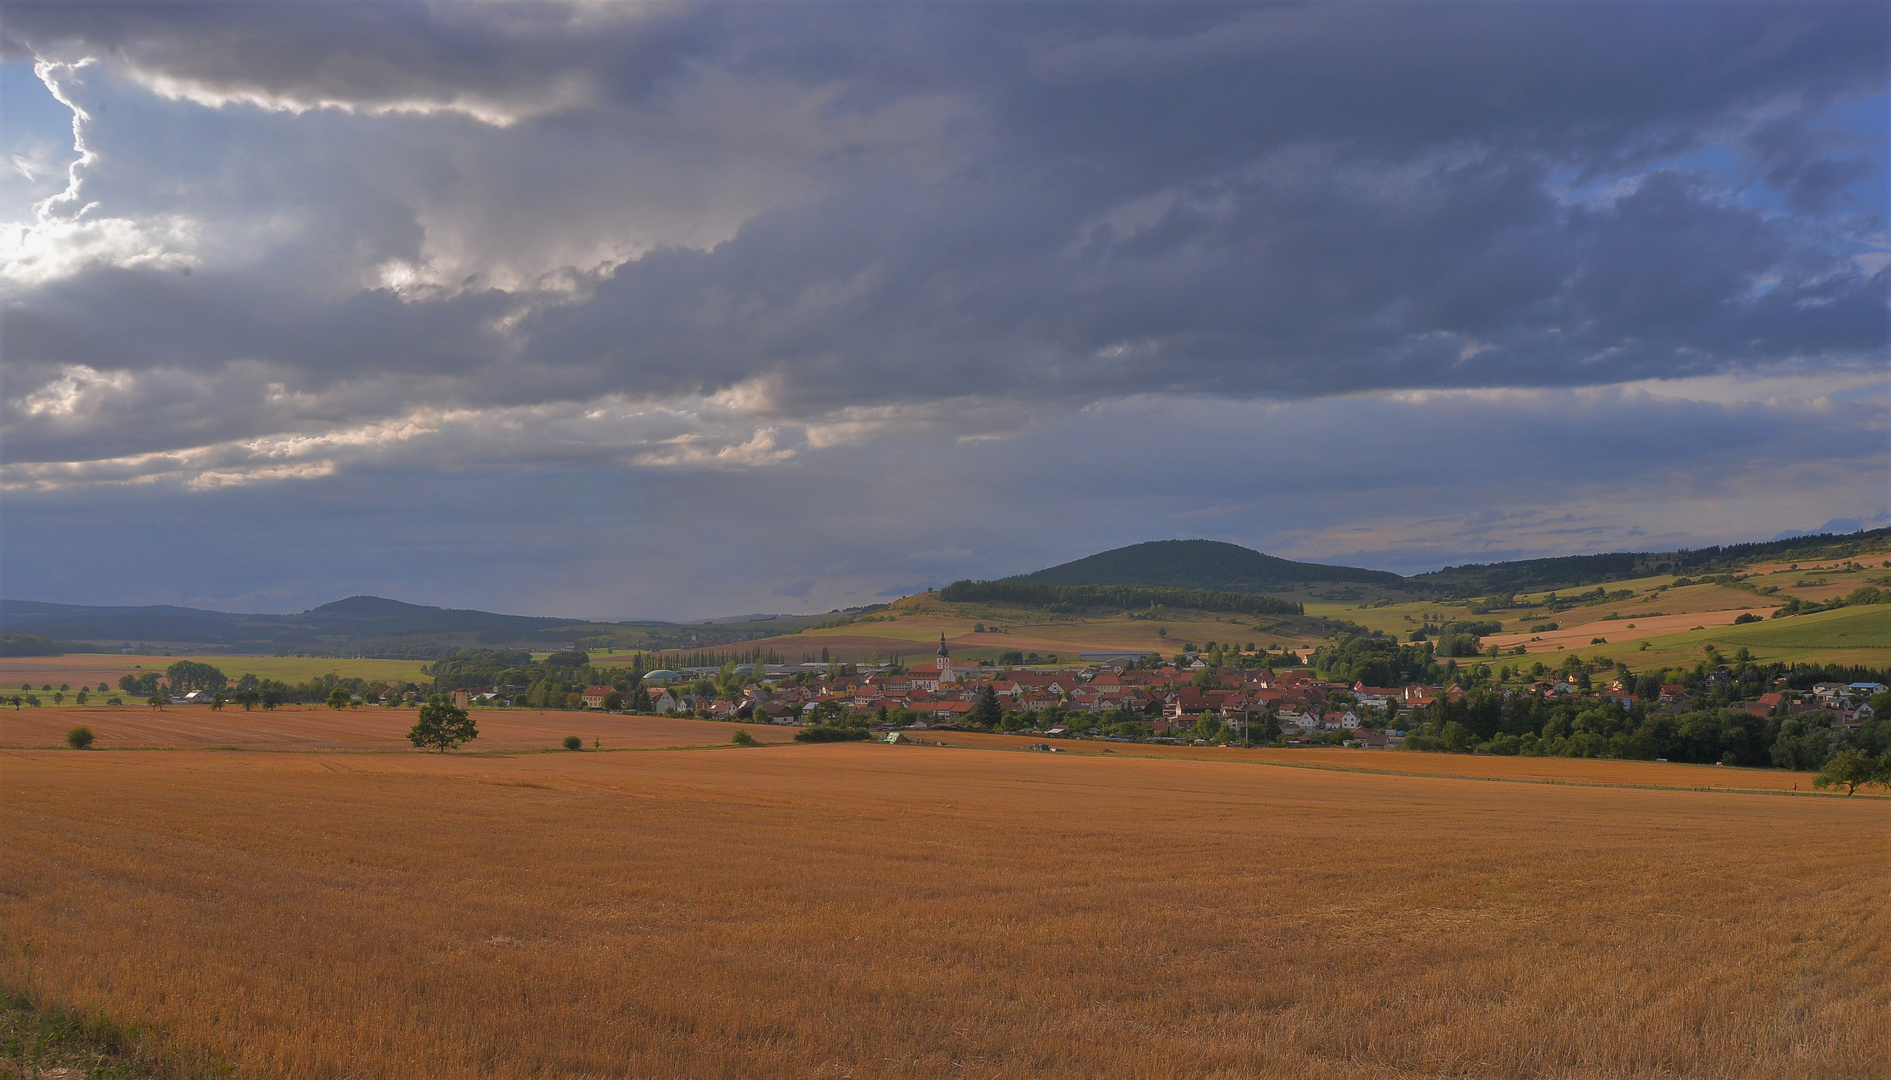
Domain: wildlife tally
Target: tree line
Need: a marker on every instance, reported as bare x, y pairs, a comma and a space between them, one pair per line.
1707, 735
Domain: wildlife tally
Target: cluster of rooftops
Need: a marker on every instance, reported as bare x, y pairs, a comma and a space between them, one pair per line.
944, 690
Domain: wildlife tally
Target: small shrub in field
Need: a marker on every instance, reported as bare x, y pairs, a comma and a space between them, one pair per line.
824, 733
572, 742
743, 738
79, 738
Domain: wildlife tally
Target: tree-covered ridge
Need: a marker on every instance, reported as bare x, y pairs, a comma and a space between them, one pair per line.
1126, 597
1223, 567
1569, 571
1201, 564
41, 645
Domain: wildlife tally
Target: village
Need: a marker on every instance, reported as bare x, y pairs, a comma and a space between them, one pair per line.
1131, 697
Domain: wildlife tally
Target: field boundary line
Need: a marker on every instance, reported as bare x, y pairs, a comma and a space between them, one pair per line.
1322, 767
509, 752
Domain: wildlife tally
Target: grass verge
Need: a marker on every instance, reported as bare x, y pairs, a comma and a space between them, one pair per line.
39, 1041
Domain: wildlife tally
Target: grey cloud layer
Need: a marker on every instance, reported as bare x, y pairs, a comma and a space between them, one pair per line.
846, 208
1373, 482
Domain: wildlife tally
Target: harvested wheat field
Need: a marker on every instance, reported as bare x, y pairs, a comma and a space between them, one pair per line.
879, 911
1540, 770
1621, 631
317, 727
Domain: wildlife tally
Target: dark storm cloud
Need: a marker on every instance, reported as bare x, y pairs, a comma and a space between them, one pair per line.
1312, 278
1054, 205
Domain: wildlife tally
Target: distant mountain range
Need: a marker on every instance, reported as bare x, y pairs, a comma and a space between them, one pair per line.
355, 621
376, 626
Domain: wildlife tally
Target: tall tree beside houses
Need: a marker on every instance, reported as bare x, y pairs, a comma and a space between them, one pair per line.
987, 712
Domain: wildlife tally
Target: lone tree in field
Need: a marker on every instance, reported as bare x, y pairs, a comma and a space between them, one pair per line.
188, 675
79, 738
443, 726
1852, 770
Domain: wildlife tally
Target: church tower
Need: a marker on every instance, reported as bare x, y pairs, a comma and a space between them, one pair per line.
945, 662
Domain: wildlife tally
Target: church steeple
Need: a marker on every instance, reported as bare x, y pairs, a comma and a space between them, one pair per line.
945, 662
942, 648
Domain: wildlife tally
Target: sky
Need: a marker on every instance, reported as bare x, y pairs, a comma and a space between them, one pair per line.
678, 311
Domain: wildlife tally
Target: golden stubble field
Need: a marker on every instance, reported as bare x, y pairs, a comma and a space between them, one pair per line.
1620, 632
1535, 770
875, 911
371, 727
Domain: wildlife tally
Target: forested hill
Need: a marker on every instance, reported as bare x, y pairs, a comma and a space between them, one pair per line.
1202, 564
1571, 571
1230, 568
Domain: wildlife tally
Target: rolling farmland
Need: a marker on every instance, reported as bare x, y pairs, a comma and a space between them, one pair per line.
875, 911
1674, 615
1859, 635
911, 629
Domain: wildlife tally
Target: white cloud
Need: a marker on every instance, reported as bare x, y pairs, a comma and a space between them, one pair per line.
614, 431
75, 392
567, 90
65, 236
694, 449
55, 248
